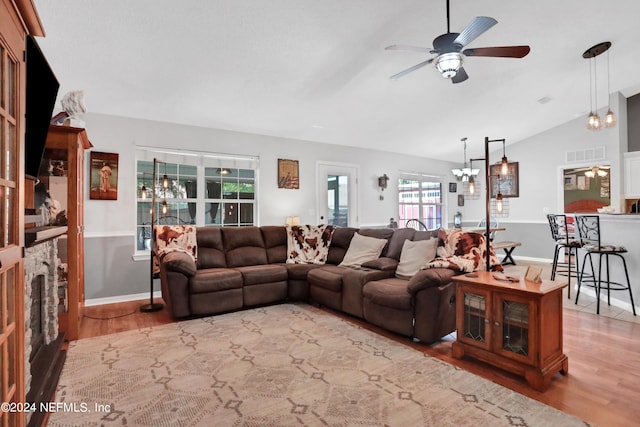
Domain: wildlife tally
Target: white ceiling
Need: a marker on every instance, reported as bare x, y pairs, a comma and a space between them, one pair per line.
317, 70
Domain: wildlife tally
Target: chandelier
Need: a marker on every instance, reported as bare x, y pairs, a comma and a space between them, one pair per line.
463, 174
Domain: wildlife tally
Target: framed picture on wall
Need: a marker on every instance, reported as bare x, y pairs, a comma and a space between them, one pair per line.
507, 185
453, 187
288, 174
103, 179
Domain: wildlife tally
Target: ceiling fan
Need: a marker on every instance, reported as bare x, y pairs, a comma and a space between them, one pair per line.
450, 55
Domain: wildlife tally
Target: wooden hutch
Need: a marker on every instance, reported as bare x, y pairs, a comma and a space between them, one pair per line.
65, 150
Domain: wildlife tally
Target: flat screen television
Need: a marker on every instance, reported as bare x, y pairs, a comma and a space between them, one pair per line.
41, 92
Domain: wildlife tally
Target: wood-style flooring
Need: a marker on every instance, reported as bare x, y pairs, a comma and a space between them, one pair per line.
602, 388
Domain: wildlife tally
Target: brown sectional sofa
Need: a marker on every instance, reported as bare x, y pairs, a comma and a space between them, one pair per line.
246, 267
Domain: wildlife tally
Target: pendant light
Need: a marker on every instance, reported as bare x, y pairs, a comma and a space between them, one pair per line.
609, 118
504, 169
593, 120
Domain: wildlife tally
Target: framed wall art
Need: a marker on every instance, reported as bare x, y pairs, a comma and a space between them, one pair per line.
453, 187
508, 185
103, 176
288, 174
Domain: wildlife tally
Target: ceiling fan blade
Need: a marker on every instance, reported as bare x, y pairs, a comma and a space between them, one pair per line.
411, 69
460, 76
408, 47
501, 51
479, 25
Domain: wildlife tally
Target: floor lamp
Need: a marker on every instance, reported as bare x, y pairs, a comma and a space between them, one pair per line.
487, 212
151, 306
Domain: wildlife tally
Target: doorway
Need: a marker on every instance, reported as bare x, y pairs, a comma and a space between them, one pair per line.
337, 194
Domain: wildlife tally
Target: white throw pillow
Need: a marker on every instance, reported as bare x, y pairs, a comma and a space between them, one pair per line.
415, 255
362, 249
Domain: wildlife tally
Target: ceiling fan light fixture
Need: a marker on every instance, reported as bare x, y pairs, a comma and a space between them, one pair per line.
448, 64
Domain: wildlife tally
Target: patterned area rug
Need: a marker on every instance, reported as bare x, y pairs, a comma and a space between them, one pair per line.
283, 365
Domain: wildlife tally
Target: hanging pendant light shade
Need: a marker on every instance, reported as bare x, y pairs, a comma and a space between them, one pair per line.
609, 118
499, 207
593, 120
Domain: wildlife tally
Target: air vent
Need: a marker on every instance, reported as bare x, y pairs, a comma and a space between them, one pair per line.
586, 155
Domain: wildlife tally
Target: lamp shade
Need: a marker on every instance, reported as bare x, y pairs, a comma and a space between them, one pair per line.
448, 64
610, 119
292, 220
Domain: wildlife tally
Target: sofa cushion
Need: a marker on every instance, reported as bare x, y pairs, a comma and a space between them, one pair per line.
258, 274
362, 249
215, 279
180, 262
308, 244
327, 277
210, 248
339, 244
397, 240
415, 255
275, 243
243, 246
382, 264
463, 251
390, 292
379, 233
300, 271
172, 238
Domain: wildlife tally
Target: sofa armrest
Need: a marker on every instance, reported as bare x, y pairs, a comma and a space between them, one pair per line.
382, 264
429, 278
179, 262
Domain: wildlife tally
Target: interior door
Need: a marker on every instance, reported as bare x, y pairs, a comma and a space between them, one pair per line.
11, 268
337, 194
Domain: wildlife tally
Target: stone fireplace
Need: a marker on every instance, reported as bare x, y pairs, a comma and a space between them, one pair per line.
43, 344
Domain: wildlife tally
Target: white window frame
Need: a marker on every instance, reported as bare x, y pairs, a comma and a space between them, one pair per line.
201, 160
421, 193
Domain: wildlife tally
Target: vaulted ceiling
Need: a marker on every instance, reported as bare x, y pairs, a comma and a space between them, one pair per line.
318, 71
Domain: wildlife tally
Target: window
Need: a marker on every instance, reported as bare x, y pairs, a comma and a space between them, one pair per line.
203, 189
420, 197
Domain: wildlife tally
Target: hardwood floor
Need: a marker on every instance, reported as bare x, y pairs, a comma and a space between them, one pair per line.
602, 386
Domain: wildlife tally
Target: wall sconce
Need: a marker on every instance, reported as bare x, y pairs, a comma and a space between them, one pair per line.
382, 181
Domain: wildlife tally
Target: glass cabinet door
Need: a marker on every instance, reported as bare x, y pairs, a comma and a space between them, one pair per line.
476, 314
515, 329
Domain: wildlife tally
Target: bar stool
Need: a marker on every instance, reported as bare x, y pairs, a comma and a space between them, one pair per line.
564, 243
589, 231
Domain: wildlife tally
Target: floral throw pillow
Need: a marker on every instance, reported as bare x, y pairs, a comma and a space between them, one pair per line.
308, 244
174, 238
464, 252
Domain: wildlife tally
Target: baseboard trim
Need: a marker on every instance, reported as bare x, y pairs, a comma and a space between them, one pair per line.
120, 298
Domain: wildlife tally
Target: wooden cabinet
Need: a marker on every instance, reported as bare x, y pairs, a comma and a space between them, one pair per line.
64, 157
515, 326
